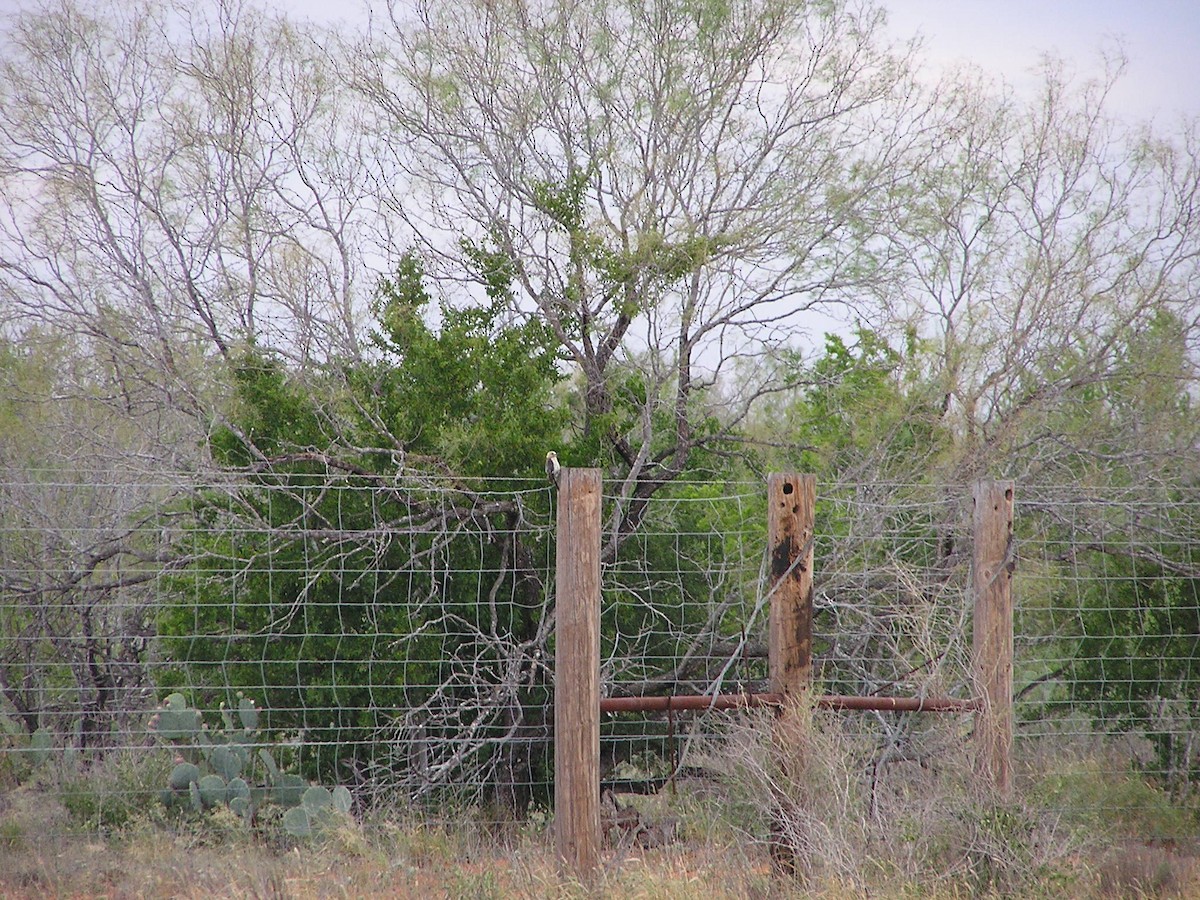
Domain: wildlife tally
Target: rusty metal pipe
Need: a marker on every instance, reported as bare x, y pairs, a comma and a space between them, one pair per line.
745, 701
899, 704
688, 701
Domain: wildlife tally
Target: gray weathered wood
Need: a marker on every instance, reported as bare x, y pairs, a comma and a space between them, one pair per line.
993, 563
577, 672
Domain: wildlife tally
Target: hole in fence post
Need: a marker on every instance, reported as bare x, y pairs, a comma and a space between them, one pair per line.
577, 672
993, 563
790, 503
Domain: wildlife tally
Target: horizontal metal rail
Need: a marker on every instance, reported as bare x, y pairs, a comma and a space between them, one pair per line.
745, 701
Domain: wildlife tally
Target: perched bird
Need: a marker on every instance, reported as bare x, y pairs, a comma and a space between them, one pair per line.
552, 466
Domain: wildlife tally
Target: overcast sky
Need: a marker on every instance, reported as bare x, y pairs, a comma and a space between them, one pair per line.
1007, 37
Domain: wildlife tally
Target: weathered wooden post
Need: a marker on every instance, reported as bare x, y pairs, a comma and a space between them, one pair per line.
577, 672
790, 503
791, 500
993, 563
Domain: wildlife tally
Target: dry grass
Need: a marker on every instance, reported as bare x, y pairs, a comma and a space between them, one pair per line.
913, 828
420, 865
149, 866
414, 864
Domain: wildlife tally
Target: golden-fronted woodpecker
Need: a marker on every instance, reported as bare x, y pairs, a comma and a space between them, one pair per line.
552, 467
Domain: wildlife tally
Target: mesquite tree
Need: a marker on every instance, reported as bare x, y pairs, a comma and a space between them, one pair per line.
662, 196
671, 186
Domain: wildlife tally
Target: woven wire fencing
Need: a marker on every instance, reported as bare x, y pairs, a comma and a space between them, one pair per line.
396, 636
1107, 632
687, 605
684, 611
392, 637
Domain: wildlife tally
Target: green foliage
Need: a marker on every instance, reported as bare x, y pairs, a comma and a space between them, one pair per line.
866, 417
564, 203
1004, 846
336, 631
864, 407
495, 270
1092, 797
684, 577
1117, 420
710, 577
476, 394
632, 273
1129, 612
1137, 661
106, 791
64, 453
654, 260
311, 633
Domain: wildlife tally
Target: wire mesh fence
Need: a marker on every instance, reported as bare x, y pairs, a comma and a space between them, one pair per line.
891, 612
396, 637
390, 638
1108, 630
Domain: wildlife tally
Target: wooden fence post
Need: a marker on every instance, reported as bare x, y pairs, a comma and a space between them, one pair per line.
993, 563
577, 672
791, 500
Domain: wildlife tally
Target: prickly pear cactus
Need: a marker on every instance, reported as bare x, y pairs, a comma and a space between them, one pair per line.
229, 768
288, 790
227, 761
176, 721
182, 775
213, 791
248, 713
239, 797
40, 744
320, 810
342, 801
297, 823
